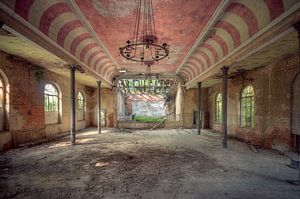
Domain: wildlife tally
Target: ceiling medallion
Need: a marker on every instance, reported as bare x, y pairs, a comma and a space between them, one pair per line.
143, 46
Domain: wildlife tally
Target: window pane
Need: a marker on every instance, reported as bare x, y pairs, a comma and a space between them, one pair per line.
50, 98
80, 100
219, 108
50, 89
247, 107
46, 103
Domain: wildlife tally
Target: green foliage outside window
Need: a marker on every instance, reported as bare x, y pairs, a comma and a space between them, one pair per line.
247, 107
51, 98
218, 117
80, 99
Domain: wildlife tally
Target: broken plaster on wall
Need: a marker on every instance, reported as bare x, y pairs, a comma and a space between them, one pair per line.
17, 121
115, 9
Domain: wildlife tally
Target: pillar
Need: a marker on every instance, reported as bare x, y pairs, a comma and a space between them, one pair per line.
224, 106
72, 103
297, 137
199, 108
99, 106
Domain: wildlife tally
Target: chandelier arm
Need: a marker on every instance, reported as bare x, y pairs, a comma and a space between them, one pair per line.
148, 19
135, 26
138, 24
152, 15
144, 20
151, 53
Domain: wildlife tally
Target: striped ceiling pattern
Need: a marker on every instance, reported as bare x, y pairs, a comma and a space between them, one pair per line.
242, 19
55, 19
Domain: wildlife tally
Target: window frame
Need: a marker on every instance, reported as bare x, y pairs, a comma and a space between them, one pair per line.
2, 92
247, 104
82, 100
83, 105
218, 113
48, 96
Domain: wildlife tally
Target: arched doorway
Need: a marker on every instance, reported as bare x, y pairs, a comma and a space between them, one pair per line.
296, 112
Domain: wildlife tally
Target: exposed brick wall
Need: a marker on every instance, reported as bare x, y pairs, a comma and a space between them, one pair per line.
190, 104
26, 113
108, 103
272, 86
26, 120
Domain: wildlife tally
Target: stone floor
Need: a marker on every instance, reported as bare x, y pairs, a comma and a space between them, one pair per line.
145, 164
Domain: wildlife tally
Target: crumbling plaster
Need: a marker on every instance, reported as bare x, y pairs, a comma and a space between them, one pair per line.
272, 88
26, 117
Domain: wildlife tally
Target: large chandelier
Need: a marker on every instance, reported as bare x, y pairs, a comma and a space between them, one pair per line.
143, 46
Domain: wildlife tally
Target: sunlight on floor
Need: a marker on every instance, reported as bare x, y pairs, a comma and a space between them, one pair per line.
101, 164
94, 132
58, 145
85, 140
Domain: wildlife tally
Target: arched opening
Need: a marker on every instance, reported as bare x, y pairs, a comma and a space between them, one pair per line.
218, 108
247, 107
4, 102
178, 103
51, 104
80, 106
296, 113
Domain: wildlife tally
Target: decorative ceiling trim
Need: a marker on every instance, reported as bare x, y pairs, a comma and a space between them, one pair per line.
239, 22
160, 77
269, 42
90, 28
19, 24
286, 19
212, 21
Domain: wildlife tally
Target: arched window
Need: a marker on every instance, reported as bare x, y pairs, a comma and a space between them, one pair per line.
2, 104
51, 104
80, 99
51, 98
2, 97
218, 117
247, 107
80, 105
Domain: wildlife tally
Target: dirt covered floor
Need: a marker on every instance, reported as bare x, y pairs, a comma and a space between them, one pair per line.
145, 164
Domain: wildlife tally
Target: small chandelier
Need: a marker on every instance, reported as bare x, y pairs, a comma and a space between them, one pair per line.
143, 46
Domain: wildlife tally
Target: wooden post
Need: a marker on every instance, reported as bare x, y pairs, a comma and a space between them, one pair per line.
199, 108
99, 105
72, 104
224, 106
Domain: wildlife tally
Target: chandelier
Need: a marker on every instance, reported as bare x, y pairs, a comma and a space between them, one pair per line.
143, 46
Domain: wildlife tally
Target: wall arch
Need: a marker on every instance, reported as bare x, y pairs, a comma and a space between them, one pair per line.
4, 102
53, 116
81, 105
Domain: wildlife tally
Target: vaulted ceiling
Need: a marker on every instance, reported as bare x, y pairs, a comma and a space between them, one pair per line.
201, 34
